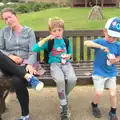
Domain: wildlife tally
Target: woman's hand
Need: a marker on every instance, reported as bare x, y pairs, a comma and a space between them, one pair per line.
15, 58
31, 70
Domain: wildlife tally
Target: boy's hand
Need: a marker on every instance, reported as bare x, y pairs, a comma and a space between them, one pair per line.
115, 60
105, 49
50, 37
67, 56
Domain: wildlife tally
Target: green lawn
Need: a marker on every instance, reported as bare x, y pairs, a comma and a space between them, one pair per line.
75, 18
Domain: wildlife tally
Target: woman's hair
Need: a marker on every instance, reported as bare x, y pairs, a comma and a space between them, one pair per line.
55, 22
11, 10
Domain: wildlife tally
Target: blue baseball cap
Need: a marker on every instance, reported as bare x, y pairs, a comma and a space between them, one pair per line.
113, 27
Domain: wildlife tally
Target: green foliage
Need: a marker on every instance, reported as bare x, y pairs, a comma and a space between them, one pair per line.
10, 5
14, 0
68, 2
37, 7
23, 8
30, 6
75, 18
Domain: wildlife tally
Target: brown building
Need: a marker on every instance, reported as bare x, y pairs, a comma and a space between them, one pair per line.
90, 3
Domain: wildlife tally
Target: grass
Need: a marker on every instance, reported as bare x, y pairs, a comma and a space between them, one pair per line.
75, 18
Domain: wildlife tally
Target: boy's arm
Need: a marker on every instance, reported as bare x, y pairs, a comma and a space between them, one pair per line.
41, 45
50, 37
95, 45
69, 51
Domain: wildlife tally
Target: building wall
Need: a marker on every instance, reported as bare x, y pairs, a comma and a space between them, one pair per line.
76, 2
49, 1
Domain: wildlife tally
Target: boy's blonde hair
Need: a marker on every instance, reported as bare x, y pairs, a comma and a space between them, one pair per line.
11, 10
55, 22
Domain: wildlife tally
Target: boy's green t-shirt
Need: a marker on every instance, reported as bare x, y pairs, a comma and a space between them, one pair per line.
58, 49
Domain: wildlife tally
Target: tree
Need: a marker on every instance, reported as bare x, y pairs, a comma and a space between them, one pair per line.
5, 1
14, 0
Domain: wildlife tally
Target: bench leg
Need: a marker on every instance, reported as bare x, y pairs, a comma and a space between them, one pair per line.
0, 117
3, 95
2, 101
2, 105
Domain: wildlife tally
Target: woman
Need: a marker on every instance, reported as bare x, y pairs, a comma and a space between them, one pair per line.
17, 58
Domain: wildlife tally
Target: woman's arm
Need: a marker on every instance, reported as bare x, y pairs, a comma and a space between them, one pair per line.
2, 43
32, 55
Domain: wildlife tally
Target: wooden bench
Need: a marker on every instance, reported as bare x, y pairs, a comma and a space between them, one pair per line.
82, 61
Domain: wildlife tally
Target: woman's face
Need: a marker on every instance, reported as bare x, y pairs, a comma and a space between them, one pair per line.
10, 19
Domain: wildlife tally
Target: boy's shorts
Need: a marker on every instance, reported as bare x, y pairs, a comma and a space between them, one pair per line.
104, 82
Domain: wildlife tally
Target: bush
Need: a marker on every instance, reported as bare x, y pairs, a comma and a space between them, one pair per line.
9, 5
14, 0
22, 8
37, 7
30, 6
68, 2
41, 6
48, 5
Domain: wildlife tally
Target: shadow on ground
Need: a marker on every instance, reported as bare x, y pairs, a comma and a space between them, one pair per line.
44, 105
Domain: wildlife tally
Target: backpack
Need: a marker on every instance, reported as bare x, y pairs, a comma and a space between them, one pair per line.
50, 46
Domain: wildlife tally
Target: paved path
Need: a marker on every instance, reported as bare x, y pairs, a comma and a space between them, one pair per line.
44, 105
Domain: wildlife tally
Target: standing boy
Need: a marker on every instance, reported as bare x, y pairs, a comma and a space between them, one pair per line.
107, 54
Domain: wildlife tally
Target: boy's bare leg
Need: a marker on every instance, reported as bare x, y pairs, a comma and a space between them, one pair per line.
94, 104
97, 96
113, 102
113, 97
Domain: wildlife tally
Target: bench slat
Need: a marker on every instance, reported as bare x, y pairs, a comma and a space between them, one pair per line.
81, 48
74, 48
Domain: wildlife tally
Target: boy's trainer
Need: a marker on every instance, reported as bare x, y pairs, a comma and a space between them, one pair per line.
96, 112
25, 118
65, 114
112, 116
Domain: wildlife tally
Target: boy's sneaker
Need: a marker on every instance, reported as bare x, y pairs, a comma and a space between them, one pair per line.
65, 114
69, 113
112, 116
36, 84
96, 112
25, 118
